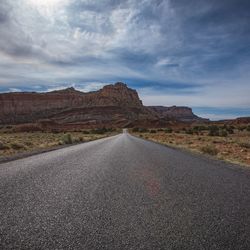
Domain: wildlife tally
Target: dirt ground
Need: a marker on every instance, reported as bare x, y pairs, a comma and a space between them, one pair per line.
233, 148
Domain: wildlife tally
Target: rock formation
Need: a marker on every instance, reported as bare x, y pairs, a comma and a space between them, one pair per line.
184, 114
112, 106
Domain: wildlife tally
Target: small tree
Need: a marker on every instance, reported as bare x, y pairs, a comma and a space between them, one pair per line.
213, 130
67, 139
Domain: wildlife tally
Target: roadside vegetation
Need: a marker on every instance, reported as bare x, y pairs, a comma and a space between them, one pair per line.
226, 142
12, 143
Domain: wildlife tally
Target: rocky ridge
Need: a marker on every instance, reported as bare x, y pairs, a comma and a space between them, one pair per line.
112, 106
184, 114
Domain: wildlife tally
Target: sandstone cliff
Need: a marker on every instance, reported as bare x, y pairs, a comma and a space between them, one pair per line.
184, 114
112, 106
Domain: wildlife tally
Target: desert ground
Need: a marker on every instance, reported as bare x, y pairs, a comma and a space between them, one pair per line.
224, 142
229, 143
14, 143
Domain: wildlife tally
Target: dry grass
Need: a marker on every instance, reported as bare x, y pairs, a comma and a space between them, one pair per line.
14, 143
233, 147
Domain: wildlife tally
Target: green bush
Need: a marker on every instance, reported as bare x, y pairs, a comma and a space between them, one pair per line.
81, 139
245, 144
230, 130
135, 130
189, 131
209, 149
248, 128
100, 131
17, 146
67, 139
213, 130
85, 132
3, 146
168, 130
152, 131
223, 133
199, 128
55, 131
143, 130
242, 128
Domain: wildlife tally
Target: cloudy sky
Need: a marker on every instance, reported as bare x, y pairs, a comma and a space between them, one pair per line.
174, 52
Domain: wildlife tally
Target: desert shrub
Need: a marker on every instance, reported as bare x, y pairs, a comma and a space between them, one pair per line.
85, 132
189, 131
3, 146
168, 130
77, 130
28, 143
209, 149
245, 144
99, 131
55, 131
242, 128
67, 139
223, 133
203, 128
213, 130
197, 128
143, 130
76, 140
17, 146
152, 131
135, 130
230, 129
60, 142
248, 128
81, 139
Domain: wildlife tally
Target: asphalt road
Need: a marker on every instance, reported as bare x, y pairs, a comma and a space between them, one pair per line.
123, 193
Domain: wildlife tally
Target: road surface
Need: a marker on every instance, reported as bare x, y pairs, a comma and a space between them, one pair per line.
123, 192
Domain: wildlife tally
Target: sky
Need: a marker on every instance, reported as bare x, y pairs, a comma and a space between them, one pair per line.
192, 53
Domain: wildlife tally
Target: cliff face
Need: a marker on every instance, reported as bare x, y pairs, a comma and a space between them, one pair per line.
184, 114
113, 105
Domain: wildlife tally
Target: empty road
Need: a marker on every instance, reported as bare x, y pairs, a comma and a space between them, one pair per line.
123, 192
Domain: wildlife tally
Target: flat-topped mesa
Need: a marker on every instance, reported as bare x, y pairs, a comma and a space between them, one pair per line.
114, 105
30, 106
180, 113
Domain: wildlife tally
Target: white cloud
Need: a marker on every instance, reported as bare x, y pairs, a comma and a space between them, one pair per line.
216, 117
48, 43
14, 90
216, 95
91, 86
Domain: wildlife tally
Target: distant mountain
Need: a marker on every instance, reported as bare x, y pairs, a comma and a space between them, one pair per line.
112, 106
184, 114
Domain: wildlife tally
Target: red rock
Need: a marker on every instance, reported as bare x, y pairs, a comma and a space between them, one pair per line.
184, 114
112, 106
